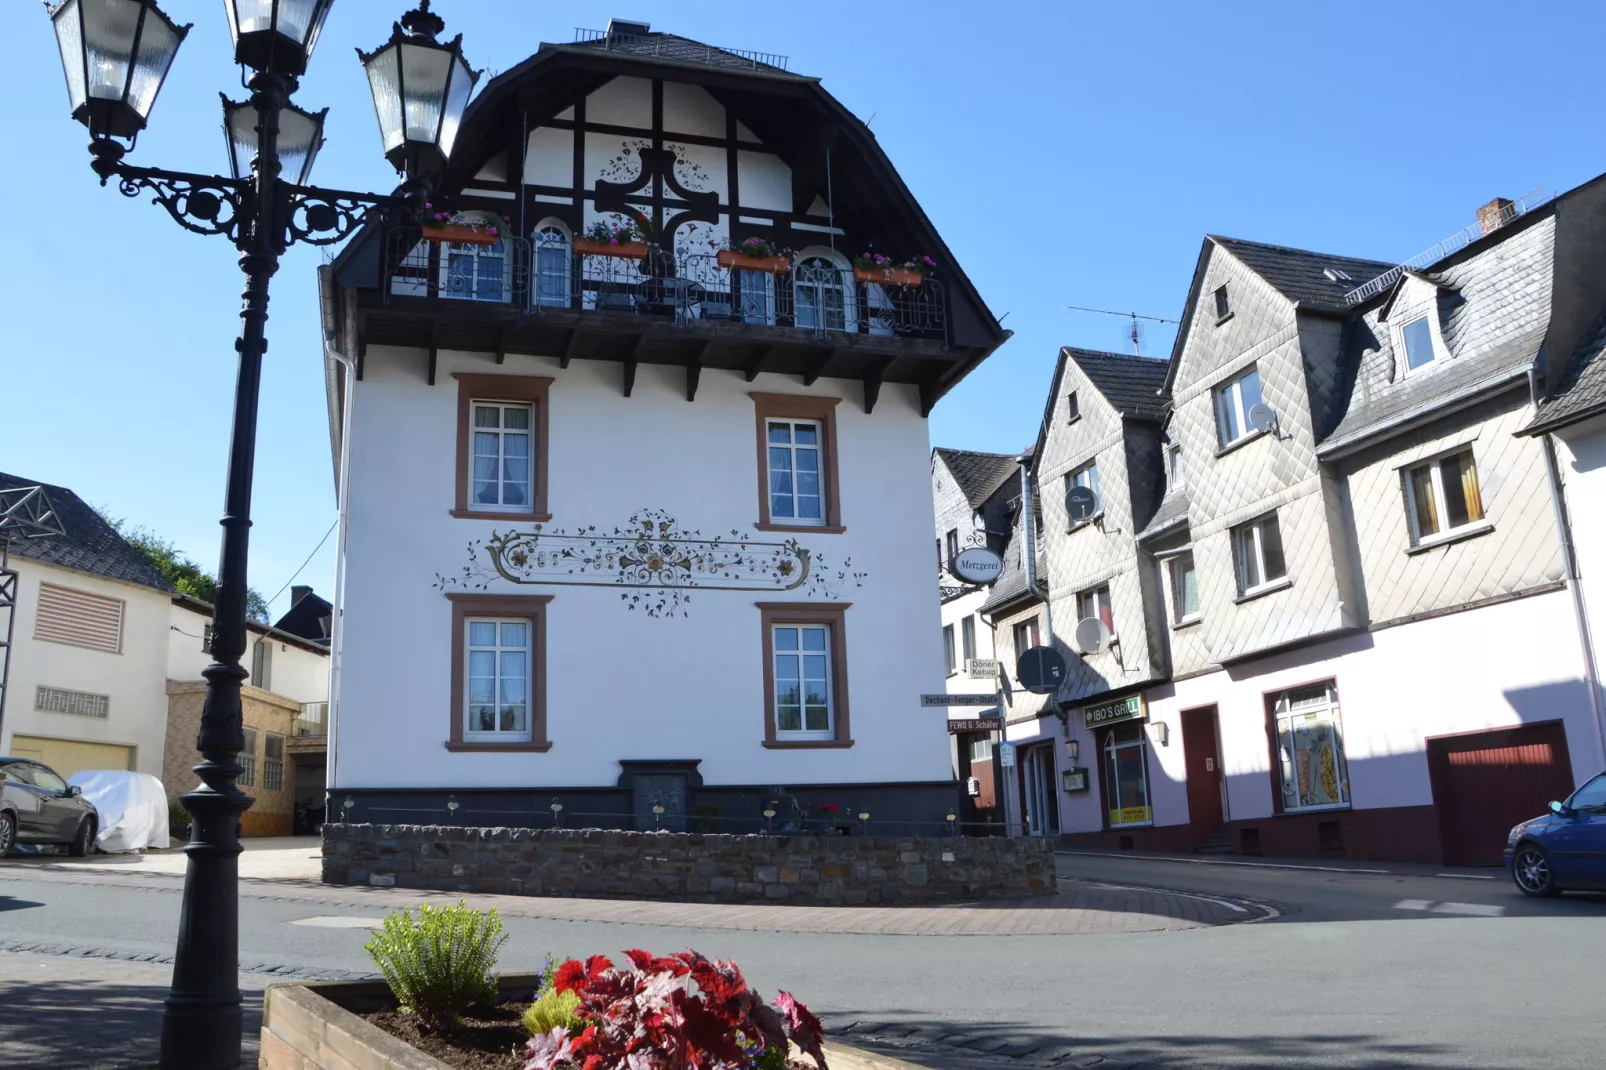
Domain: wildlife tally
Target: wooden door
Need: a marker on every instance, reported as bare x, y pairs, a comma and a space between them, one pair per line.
1203, 766
1486, 782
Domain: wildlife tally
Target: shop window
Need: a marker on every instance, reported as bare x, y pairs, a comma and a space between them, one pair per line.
1126, 775
1310, 749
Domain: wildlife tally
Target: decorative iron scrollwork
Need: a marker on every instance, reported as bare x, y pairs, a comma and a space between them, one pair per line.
324, 217
205, 204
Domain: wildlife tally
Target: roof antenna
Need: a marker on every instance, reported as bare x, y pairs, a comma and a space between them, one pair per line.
1134, 332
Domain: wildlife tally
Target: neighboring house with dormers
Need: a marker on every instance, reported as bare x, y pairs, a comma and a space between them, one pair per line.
1370, 648
636, 531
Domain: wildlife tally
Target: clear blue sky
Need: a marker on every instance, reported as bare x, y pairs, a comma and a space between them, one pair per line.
1071, 153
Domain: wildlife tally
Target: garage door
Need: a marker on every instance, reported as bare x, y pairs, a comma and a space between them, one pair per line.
1486, 782
68, 756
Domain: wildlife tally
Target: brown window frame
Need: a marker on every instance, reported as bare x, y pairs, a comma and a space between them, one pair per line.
528, 606
798, 407
531, 390
834, 616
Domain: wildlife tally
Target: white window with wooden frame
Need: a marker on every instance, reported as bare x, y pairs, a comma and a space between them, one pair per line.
1182, 588
1443, 500
1309, 743
498, 673
501, 447
1233, 399
78, 618
1086, 476
1257, 556
1026, 636
1096, 603
805, 674
1417, 342
797, 463
950, 653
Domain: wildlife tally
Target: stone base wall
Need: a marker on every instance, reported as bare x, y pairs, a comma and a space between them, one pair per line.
693, 867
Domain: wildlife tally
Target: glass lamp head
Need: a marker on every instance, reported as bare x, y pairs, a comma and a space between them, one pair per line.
115, 54
420, 89
276, 36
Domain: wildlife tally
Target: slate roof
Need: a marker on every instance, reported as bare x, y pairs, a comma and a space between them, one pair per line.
674, 47
1130, 383
1173, 507
89, 545
979, 475
1582, 391
1297, 274
307, 618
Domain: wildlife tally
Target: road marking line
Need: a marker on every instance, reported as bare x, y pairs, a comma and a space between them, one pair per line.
1476, 910
1167, 891
1223, 862
337, 922
1466, 876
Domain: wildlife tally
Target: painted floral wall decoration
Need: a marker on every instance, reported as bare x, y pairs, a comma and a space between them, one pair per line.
656, 563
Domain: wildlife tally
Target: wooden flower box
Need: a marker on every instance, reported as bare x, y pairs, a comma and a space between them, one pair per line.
630, 250
460, 233
772, 265
889, 276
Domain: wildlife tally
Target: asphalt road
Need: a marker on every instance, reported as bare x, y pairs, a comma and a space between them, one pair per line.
1360, 970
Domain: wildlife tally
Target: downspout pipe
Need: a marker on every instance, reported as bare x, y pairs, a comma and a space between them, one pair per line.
329, 298
1569, 562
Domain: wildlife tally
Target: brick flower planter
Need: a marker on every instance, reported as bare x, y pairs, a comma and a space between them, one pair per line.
315, 1027
690, 867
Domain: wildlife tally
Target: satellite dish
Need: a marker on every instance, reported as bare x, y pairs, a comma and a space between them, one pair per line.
1079, 503
1261, 417
1041, 670
1092, 636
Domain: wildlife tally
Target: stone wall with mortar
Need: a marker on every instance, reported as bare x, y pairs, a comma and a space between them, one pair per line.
806, 870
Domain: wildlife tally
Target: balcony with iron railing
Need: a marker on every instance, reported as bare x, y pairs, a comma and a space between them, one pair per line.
679, 288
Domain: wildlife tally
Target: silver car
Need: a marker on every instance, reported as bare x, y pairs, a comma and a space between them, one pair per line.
37, 806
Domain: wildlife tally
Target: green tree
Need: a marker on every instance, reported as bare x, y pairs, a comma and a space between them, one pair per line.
184, 574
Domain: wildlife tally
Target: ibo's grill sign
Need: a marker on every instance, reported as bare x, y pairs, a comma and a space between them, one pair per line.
1126, 709
976, 564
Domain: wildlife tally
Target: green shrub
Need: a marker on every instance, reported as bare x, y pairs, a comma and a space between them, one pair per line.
178, 820
439, 966
553, 1008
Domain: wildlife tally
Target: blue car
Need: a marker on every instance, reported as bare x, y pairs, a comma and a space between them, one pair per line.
1564, 850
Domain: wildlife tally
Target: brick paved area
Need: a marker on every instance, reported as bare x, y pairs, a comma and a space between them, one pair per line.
69, 1012
1077, 908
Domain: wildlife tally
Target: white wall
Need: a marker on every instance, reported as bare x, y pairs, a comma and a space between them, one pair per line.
1396, 687
135, 679
621, 685
1581, 458
298, 674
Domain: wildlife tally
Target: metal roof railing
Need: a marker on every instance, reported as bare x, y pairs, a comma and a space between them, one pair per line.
1455, 242
670, 47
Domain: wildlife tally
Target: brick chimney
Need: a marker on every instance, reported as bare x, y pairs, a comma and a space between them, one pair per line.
298, 592
1494, 215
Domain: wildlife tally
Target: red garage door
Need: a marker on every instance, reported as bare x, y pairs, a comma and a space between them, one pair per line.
1486, 782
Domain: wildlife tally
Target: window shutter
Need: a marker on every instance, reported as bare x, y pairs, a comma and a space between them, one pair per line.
69, 616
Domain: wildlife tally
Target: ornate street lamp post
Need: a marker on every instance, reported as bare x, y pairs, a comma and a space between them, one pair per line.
115, 54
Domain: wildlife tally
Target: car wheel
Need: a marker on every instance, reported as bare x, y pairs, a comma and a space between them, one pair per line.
8, 834
1530, 868
84, 842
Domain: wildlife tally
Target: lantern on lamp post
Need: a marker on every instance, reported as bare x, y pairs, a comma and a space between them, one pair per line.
116, 54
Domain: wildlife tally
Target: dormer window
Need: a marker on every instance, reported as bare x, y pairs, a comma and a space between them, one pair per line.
1223, 305
1417, 338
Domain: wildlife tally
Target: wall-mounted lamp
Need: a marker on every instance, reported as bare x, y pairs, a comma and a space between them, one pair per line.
1162, 733
1073, 749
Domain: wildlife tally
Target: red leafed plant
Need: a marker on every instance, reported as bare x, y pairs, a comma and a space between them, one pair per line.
681, 1012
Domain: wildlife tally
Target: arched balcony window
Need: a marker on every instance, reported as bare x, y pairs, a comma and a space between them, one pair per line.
823, 291
554, 264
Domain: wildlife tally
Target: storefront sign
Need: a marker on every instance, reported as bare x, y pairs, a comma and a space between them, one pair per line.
1126, 709
976, 564
982, 668
975, 724
1132, 815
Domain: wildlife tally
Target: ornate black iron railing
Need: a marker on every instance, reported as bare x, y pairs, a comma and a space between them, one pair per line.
682, 287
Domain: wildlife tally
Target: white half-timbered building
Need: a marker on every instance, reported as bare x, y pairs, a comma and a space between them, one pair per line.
643, 533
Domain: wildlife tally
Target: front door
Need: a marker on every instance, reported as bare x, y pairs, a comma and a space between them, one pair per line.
1203, 765
1042, 804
